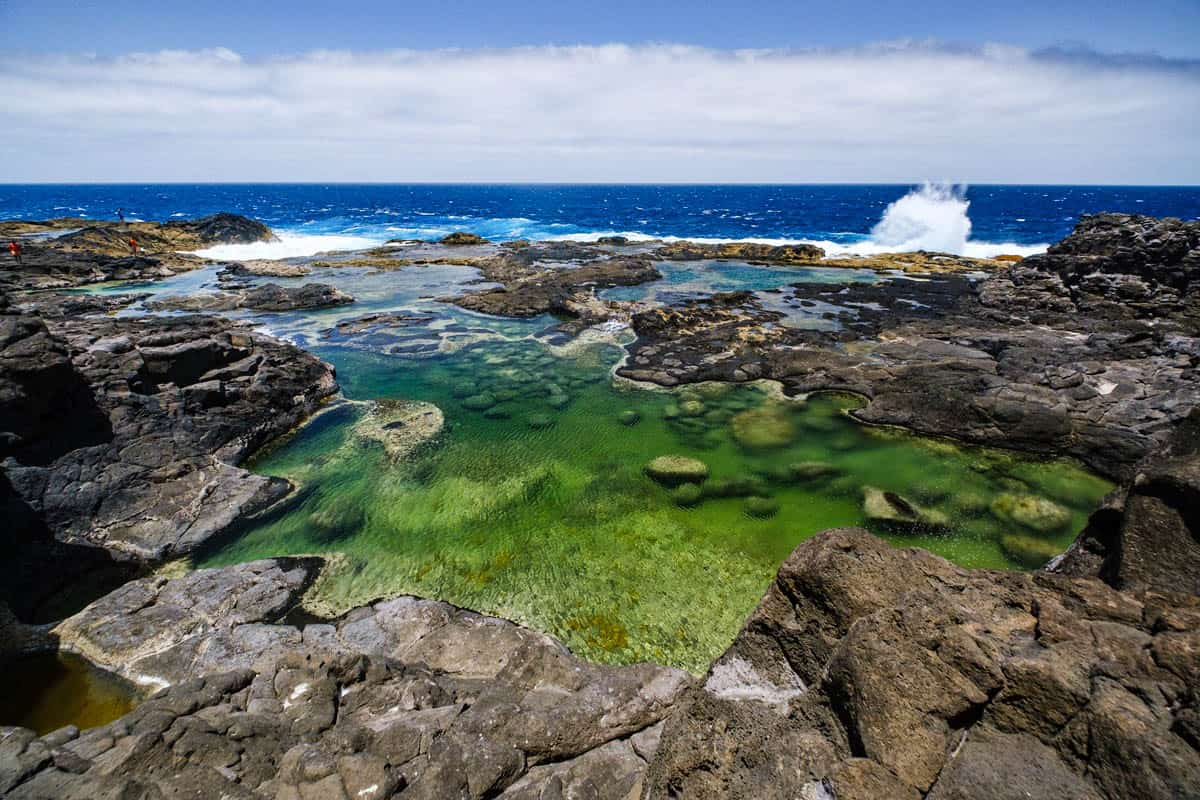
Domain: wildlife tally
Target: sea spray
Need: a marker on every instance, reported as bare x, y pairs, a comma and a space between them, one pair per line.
933, 217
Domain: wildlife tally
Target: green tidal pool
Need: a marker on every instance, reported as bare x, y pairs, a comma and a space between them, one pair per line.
47, 691
533, 503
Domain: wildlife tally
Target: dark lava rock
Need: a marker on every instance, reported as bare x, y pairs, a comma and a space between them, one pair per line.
873, 672
124, 433
268, 297
462, 238
1023, 358
566, 290
87, 251
404, 697
742, 251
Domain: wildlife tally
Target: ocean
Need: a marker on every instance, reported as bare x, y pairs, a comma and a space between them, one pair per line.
311, 218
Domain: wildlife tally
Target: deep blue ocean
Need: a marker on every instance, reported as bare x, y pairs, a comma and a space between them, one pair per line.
979, 220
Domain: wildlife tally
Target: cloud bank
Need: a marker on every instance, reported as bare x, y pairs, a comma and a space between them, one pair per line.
892, 112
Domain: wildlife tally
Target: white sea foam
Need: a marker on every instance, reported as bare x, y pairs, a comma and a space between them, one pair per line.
289, 245
933, 217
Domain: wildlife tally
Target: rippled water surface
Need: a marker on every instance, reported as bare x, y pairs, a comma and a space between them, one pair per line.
534, 505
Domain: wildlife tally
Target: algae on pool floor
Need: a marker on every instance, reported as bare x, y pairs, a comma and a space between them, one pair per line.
535, 506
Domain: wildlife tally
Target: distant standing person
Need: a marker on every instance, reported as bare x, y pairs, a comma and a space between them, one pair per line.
15, 249
121, 215
133, 245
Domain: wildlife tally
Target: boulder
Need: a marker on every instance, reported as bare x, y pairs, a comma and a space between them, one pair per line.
767, 427
401, 426
672, 470
462, 238
687, 494
761, 507
1030, 511
1146, 535
402, 694
896, 511
874, 672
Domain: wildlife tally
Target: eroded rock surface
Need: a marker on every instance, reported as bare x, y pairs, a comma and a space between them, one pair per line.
69, 252
871, 672
407, 698
1146, 536
1054, 354
125, 433
268, 297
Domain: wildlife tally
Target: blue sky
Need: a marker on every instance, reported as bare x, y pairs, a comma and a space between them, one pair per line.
1019, 92
266, 27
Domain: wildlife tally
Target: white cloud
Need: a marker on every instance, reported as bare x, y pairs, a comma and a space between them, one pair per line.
897, 111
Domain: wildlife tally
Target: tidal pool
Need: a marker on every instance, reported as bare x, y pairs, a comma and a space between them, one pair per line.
533, 504
47, 691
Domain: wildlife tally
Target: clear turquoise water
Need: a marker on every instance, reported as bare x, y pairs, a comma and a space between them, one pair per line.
557, 526
537, 508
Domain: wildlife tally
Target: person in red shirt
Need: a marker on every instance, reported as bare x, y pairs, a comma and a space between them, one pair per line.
15, 249
133, 245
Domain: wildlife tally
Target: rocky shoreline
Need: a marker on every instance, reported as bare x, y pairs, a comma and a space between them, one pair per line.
866, 671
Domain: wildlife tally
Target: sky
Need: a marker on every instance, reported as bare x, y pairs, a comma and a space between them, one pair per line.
1019, 92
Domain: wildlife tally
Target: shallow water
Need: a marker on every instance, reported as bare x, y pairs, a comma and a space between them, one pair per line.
539, 511
536, 507
50, 690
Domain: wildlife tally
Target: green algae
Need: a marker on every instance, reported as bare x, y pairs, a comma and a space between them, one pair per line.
543, 514
48, 691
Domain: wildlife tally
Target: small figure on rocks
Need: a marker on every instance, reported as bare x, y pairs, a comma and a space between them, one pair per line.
15, 249
133, 245
121, 215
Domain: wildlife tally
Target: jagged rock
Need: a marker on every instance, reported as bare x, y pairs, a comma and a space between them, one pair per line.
1036, 356
1146, 536
141, 458
870, 669
268, 297
404, 694
89, 251
746, 251
530, 290
461, 238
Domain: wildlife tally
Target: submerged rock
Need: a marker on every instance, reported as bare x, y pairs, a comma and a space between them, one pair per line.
767, 427
1029, 551
687, 494
672, 470
895, 510
811, 470
761, 507
401, 426
478, 402
539, 421
1030, 511
629, 417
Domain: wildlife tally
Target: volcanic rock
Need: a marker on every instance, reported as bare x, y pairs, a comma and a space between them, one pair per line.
870, 672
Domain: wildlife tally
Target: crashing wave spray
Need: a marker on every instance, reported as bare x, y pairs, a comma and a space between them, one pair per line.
933, 217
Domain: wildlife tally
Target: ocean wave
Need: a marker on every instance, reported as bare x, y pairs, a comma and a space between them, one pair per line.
289, 245
865, 247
